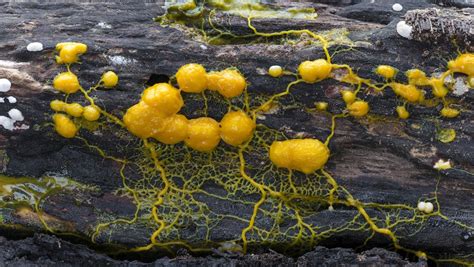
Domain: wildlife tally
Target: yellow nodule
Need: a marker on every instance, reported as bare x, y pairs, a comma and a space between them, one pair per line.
304, 155
388, 72
463, 63
203, 134
439, 90
109, 79
322, 106
402, 112
236, 128
313, 71
275, 71
192, 78
66, 82
74, 109
348, 96
57, 105
359, 108
407, 91
143, 120
448, 112
64, 126
173, 130
91, 113
164, 98
229, 82
417, 77
69, 52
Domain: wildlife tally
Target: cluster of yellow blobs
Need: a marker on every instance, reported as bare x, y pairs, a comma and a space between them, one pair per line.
157, 114
67, 82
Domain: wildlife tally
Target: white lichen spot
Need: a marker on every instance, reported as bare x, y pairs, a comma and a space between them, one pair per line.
121, 60
404, 30
442, 165
15, 114
460, 86
34, 47
104, 25
2, 100
7, 123
5, 85
203, 47
397, 7
11, 99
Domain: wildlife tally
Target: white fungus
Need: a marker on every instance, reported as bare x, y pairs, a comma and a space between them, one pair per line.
421, 206
6, 122
34, 47
404, 30
5, 85
11, 99
2, 100
15, 114
429, 207
397, 7
460, 86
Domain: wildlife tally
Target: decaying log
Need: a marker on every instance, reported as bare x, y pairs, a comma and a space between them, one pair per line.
380, 159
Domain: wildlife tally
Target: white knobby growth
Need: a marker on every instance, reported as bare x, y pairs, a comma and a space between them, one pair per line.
404, 30
34, 47
5, 85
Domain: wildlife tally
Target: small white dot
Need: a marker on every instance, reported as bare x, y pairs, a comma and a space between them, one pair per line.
397, 7
421, 206
428, 207
34, 47
15, 114
5, 85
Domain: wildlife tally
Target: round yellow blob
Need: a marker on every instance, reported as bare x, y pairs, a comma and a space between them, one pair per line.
313, 71
66, 82
322, 106
388, 72
463, 63
275, 71
164, 98
192, 78
439, 90
236, 128
402, 112
64, 126
417, 77
304, 155
109, 79
173, 130
91, 113
348, 96
57, 105
359, 108
231, 83
74, 109
449, 112
143, 120
203, 134
407, 91
69, 52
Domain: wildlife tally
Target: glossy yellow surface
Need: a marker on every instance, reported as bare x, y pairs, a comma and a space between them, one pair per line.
192, 78
348, 96
203, 134
66, 82
417, 77
173, 130
439, 90
313, 71
164, 97
304, 155
464, 63
74, 109
109, 79
91, 113
388, 72
231, 83
449, 112
64, 126
275, 71
236, 128
321, 106
57, 105
407, 91
359, 108
402, 112
69, 52
143, 120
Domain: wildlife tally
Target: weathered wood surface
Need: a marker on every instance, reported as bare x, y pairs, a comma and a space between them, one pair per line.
378, 161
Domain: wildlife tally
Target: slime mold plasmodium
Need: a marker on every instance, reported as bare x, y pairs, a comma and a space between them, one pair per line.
179, 153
